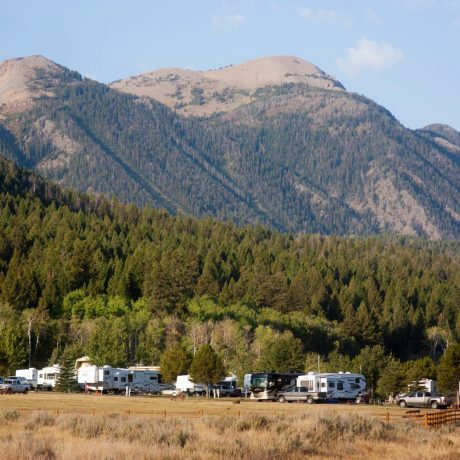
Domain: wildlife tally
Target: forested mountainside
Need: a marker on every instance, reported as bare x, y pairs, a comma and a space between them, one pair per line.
122, 284
299, 157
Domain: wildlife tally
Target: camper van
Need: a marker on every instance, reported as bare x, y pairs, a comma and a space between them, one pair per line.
341, 386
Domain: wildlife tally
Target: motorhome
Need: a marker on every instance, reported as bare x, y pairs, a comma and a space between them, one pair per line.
341, 386
30, 375
47, 377
265, 385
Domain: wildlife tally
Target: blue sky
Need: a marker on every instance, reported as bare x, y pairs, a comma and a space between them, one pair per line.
404, 54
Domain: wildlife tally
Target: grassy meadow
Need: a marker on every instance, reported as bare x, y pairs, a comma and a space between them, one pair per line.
58, 426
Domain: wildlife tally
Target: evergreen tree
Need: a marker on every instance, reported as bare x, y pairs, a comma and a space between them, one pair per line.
207, 367
449, 369
66, 381
174, 361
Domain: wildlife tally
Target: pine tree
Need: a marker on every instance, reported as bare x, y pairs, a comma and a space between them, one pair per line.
207, 367
449, 369
174, 361
66, 381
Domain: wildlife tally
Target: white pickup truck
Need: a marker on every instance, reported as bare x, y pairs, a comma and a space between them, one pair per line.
14, 385
423, 399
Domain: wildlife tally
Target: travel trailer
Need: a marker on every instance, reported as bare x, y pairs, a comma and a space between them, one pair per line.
184, 384
30, 375
46, 379
341, 386
112, 379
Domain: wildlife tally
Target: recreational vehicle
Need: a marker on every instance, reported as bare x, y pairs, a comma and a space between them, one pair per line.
266, 385
46, 379
341, 386
112, 379
30, 375
184, 384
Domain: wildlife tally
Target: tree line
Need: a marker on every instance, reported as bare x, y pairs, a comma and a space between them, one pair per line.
87, 275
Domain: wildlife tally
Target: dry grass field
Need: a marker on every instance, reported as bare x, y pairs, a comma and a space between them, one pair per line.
59, 426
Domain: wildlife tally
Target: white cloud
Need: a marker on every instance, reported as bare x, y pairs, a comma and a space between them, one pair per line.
369, 55
223, 21
331, 16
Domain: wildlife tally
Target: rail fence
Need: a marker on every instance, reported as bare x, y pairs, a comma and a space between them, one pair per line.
427, 419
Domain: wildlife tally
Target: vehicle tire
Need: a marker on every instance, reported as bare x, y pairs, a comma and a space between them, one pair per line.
9, 391
310, 400
402, 404
26, 391
434, 405
281, 399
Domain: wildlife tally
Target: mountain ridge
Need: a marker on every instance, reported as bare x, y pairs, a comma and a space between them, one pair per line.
206, 92
297, 157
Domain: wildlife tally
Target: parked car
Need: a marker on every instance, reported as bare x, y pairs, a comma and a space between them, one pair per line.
298, 394
13, 385
168, 390
226, 391
423, 399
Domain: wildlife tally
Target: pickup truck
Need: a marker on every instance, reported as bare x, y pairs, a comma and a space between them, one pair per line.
14, 385
299, 394
422, 399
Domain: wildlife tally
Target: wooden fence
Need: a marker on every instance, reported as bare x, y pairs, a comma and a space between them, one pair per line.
432, 419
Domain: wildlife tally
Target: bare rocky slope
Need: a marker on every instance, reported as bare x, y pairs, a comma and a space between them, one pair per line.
207, 92
290, 148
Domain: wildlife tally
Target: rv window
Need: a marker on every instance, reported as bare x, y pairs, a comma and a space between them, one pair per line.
357, 380
130, 377
106, 372
152, 377
115, 379
339, 385
323, 384
331, 385
40, 375
123, 379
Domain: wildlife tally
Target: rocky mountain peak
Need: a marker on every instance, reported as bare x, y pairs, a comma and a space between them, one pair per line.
206, 92
24, 79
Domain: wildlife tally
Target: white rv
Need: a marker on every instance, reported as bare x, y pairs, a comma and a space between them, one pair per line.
424, 385
30, 375
46, 379
185, 385
339, 386
113, 379
105, 379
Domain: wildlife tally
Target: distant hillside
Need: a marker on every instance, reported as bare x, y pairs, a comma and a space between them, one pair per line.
122, 284
299, 156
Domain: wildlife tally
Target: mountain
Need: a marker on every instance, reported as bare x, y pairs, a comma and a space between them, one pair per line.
298, 152
201, 93
444, 135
